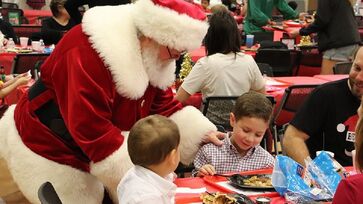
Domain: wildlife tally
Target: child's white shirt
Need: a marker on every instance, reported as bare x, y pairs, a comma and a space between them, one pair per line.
141, 185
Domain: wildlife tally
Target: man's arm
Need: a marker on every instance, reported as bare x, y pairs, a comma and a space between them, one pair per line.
294, 144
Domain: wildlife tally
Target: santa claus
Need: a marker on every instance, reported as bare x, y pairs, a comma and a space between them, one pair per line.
103, 76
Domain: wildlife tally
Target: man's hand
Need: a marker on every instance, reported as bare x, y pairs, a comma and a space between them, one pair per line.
214, 137
206, 170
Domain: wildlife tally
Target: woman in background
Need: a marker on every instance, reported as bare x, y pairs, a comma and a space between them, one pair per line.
225, 71
337, 29
55, 27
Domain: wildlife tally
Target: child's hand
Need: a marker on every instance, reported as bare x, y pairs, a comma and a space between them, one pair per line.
23, 75
206, 170
23, 80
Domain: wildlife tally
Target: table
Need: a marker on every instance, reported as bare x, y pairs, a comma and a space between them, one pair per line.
195, 55
208, 183
33, 15
331, 77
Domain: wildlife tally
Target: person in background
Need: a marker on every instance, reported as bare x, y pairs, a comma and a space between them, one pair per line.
327, 119
349, 190
7, 30
53, 28
250, 119
72, 6
219, 8
293, 5
225, 71
153, 145
205, 5
259, 14
337, 30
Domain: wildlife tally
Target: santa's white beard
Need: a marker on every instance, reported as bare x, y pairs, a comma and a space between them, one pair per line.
160, 72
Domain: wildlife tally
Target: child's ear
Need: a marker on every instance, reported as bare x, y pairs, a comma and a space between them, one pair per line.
232, 119
173, 157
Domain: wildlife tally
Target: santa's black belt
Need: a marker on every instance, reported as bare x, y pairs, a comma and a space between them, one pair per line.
50, 116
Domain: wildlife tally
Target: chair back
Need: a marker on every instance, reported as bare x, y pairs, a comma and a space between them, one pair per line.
263, 36
281, 60
26, 31
218, 108
14, 16
342, 67
291, 101
25, 62
47, 194
10, 5
265, 69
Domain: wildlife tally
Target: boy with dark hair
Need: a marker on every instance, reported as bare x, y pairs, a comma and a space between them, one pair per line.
153, 148
240, 151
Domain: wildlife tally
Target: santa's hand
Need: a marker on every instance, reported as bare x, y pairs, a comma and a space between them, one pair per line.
214, 137
206, 170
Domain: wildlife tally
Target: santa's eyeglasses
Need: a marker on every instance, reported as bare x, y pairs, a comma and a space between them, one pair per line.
176, 54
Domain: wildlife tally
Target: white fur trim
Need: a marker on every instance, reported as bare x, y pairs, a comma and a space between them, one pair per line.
114, 36
30, 170
111, 170
167, 27
192, 126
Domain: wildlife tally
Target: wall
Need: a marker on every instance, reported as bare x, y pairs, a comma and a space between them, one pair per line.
22, 4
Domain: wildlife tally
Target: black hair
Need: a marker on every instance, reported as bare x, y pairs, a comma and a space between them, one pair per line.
222, 36
292, 5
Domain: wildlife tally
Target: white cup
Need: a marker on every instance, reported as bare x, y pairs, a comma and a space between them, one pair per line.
24, 42
36, 45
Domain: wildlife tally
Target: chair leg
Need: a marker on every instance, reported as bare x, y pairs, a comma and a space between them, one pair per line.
275, 135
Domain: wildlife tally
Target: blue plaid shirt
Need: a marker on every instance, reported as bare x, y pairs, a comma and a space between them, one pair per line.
226, 158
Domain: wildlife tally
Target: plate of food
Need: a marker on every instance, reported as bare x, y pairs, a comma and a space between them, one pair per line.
293, 24
252, 181
222, 198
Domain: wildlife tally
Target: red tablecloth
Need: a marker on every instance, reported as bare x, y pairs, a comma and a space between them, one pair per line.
207, 182
6, 60
333, 77
298, 80
33, 15
200, 52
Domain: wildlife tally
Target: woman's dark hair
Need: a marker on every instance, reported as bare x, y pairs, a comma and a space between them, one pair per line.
222, 36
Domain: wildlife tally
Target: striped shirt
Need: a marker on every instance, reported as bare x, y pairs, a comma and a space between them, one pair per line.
227, 159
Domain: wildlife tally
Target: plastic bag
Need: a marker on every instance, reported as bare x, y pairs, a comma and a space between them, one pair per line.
318, 181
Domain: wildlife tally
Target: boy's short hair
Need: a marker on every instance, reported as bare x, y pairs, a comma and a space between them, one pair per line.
151, 139
253, 104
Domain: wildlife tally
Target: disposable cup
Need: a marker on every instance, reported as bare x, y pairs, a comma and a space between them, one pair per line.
249, 40
24, 41
36, 45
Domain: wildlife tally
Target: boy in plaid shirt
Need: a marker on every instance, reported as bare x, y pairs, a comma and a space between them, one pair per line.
240, 150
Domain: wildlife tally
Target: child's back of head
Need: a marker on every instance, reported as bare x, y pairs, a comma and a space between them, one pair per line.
253, 104
151, 140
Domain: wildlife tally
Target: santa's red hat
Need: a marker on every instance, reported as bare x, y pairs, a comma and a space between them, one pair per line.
174, 23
